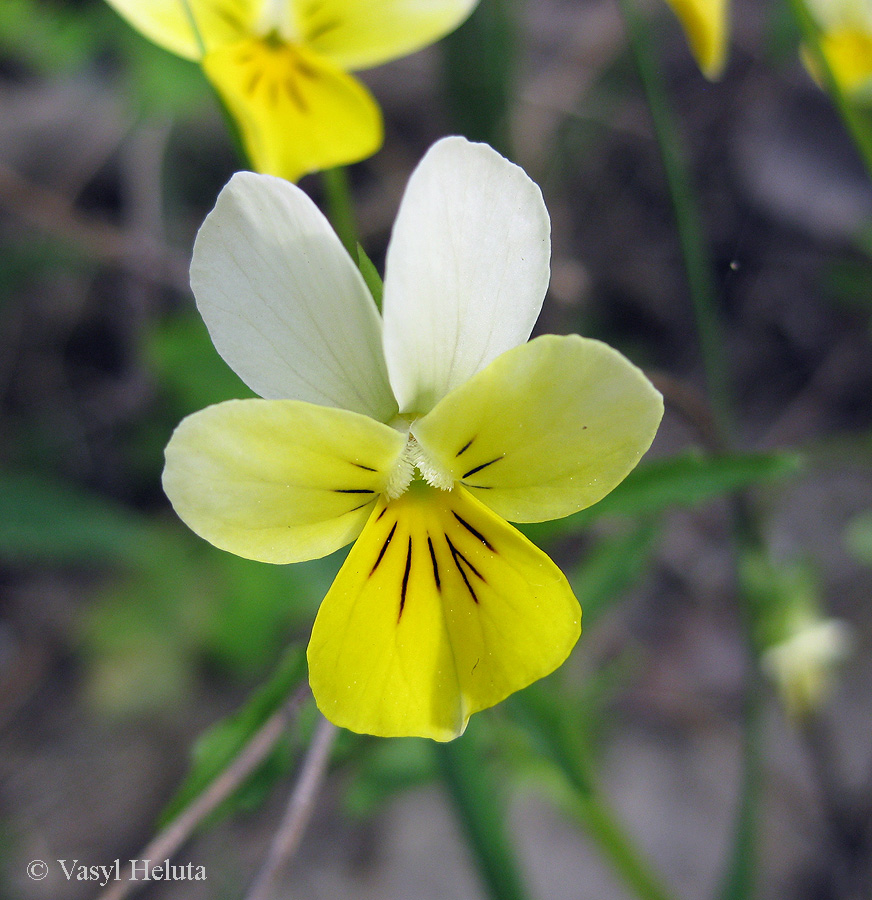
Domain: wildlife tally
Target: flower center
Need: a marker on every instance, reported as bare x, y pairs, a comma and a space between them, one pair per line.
415, 461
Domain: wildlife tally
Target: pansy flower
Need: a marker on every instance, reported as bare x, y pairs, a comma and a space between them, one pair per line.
281, 66
416, 434
846, 42
706, 24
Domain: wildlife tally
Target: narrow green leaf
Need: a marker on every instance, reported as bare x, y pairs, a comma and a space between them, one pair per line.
370, 276
739, 878
340, 207
479, 72
219, 746
475, 794
685, 480
688, 219
384, 768
558, 739
610, 569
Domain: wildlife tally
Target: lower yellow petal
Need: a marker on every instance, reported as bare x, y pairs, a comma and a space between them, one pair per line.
706, 25
296, 111
441, 609
279, 481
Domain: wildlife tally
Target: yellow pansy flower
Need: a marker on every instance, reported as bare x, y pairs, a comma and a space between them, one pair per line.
846, 42
417, 434
706, 24
281, 66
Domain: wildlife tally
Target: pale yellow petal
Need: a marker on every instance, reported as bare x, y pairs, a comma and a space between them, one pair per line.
357, 34
546, 429
296, 111
441, 609
706, 24
278, 480
168, 22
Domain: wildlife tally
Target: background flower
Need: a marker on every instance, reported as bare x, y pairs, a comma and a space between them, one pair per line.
846, 42
280, 66
706, 24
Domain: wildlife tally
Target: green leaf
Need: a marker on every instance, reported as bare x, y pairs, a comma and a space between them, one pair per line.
476, 795
558, 738
370, 276
260, 604
739, 879
385, 767
220, 745
187, 364
47, 36
610, 569
685, 480
47, 521
479, 71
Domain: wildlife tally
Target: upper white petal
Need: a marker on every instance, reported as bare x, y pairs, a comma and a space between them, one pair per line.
467, 269
285, 305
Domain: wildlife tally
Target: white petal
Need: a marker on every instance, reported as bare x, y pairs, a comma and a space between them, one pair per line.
283, 302
467, 270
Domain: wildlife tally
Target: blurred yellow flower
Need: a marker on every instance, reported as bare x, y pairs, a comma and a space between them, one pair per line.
846, 42
416, 434
281, 66
706, 24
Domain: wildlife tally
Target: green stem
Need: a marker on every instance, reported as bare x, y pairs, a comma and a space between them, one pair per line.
567, 749
617, 846
739, 877
475, 796
687, 219
738, 880
479, 68
854, 121
340, 210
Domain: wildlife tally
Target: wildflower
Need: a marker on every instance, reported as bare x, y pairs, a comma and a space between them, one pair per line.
846, 43
800, 648
706, 24
281, 66
418, 434
802, 663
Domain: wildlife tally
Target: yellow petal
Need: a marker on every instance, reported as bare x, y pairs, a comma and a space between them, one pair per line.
441, 609
546, 429
357, 34
296, 111
168, 24
706, 25
849, 54
278, 480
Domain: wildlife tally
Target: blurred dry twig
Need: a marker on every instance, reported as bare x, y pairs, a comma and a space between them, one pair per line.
51, 212
250, 757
